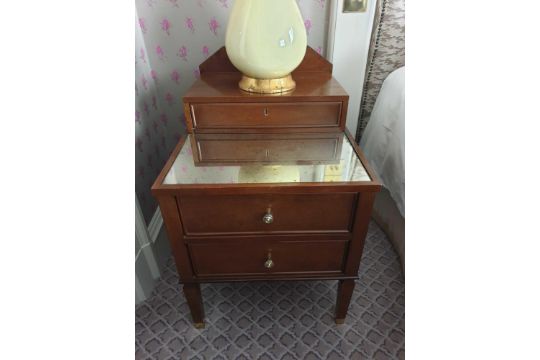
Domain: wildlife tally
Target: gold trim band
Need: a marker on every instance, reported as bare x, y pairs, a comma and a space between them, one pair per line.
267, 86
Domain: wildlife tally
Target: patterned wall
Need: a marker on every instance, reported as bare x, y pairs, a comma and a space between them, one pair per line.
172, 38
386, 54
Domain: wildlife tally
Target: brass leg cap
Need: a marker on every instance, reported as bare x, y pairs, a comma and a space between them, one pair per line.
199, 325
340, 321
267, 86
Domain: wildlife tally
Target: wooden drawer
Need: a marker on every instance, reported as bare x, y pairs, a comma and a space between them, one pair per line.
221, 148
266, 115
249, 257
221, 214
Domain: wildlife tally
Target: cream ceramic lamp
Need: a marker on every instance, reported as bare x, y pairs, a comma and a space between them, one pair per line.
266, 40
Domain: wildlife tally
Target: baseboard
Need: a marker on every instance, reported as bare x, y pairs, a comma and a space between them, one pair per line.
144, 279
162, 248
152, 256
159, 239
156, 223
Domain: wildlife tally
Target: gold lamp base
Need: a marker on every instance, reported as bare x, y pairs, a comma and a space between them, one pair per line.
267, 86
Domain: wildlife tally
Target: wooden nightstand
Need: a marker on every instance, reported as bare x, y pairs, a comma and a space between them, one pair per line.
253, 194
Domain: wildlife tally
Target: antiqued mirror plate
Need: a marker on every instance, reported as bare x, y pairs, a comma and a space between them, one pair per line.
275, 165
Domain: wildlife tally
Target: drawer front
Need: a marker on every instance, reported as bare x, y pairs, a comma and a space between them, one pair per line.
222, 214
252, 257
297, 150
266, 115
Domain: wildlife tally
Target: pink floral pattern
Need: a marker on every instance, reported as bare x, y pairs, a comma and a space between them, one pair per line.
144, 82
175, 77
190, 25
142, 55
160, 53
214, 25
164, 119
182, 53
166, 26
154, 75
142, 24
172, 38
307, 24
169, 98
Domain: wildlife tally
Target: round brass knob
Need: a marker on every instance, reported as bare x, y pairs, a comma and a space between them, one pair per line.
269, 263
268, 218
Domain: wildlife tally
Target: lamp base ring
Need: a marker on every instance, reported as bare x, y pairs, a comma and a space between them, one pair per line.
267, 86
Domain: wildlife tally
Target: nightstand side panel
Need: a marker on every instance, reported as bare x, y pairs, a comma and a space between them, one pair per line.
175, 233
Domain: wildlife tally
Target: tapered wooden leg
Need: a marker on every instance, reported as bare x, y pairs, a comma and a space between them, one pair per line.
344, 294
192, 292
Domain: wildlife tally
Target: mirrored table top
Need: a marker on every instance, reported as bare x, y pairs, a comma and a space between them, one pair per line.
272, 159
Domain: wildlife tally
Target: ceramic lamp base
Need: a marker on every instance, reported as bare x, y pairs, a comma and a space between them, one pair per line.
267, 86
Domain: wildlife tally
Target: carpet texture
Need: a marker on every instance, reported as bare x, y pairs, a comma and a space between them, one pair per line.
281, 319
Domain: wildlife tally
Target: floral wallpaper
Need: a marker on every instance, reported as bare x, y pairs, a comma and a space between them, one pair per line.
172, 38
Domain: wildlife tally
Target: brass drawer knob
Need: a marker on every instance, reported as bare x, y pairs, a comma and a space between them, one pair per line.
268, 218
269, 263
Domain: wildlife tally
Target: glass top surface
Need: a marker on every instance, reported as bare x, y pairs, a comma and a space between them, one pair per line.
338, 162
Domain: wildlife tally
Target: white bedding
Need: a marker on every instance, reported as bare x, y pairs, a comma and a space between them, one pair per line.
383, 140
